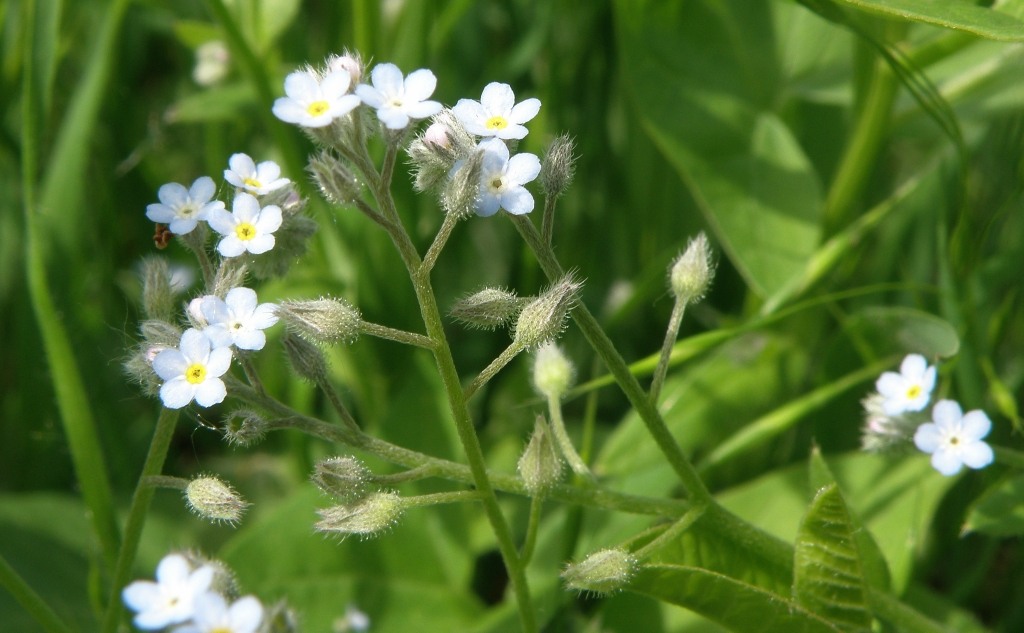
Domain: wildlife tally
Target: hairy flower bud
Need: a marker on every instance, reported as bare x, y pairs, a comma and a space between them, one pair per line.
213, 499
558, 167
552, 370
461, 191
336, 181
691, 272
604, 571
348, 61
305, 358
157, 336
230, 274
487, 309
244, 427
157, 294
367, 517
434, 153
321, 321
345, 478
543, 319
540, 465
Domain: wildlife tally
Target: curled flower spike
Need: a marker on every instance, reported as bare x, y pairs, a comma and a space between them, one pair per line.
314, 102
237, 319
398, 100
248, 228
953, 438
502, 179
258, 179
171, 598
192, 372
908, 390
182, 209
497, 114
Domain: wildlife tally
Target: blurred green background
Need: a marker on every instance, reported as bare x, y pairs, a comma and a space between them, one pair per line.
730, 117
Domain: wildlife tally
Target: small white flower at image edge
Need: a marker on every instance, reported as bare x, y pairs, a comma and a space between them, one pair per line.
954, 439
398, 99
238, 319
192, 372
258, 179
908, 390
497, 113
169, 600
247, 228
214, 615
311, 101
502, 179
181, 209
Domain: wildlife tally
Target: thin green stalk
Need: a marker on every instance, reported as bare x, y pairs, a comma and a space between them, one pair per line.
532, 527
436, 498
24, 595
674, 531
905, 618
548, 222
339, 407
565, 443
450, 220
152, 467
166, 481
688, 476
504, 358
399, 336
72, 398
671, 334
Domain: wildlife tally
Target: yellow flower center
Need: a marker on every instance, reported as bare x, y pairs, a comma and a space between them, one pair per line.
496, 184
317, 108
220, 629
245, 231
196, 373
188, 210
913, 391
496, 123
252, 182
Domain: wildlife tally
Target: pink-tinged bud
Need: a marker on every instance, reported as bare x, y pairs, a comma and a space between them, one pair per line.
437, 134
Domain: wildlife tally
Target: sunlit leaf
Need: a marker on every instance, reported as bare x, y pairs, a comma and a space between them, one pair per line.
951, 14
1000, 511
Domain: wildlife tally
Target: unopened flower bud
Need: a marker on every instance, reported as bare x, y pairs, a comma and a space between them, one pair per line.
213, 499
230, 274
280, 618
435, 152
194, 311
157, 294
460, 192
157, 333
437, 135
157, 336
884, 433
349, 62
369, 516
558, 166
552, 370
321, 321
336, 181
543, 319
691, 272
605, 571
213, 60
345, 478
487, 308
540, 465
244, 427
305, 358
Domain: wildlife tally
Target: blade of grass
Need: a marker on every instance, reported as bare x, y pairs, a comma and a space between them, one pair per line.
30, 600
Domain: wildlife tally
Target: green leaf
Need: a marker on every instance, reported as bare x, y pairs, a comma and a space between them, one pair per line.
835, 560
736, 605
742, 164
950, 14
898, 329
264, 21
1000, 511
218, 103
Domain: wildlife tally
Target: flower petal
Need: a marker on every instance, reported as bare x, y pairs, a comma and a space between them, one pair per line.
264, 316
524, 111
387, 78
301, 86
219, 362
497, 98
913, 366
975, 425
977, 455
420, 84
947, 413
927, 438
253, 340
517, 201
947, 462
177, 393
222, 221
270, 219
231, 246
335, 84
172, 194
246, 614
523, 168
245, 207
212, 391
260, 244
241, 301
170, 363
290, 111
194, 346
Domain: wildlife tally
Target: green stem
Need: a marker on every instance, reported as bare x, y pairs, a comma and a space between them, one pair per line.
24, 595
617, 366
671, 534
399, 336
436, 498
671, 334
491, 370
532, 527
905, 618
137, 514
336, 402
548, 222
564, 443
166, 481
450, 220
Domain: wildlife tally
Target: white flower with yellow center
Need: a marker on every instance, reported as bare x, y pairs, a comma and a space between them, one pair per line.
214, 615
502, 179
192, 371
397, 99
258, 179
908, 390
248, 228
497, 113
953, 438
169, 600
237, 319
182, 209
315, 102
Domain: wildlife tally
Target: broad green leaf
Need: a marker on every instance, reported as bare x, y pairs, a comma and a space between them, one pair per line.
898, 329
736, 605
217, 103
835, 560
714, 123
193, 33
950, 14
264, 21
1000, 511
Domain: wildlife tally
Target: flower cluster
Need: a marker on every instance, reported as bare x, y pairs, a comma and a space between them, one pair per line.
895, 415
317, 99
182, 597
